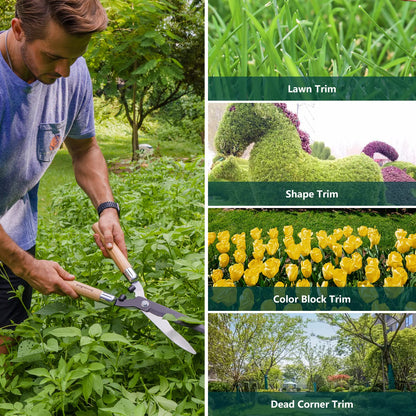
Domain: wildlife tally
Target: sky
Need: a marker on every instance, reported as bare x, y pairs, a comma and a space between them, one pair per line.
347, 126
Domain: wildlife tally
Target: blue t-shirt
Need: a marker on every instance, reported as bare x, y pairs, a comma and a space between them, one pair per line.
34, 121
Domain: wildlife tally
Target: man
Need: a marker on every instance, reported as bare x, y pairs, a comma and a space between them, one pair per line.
46, 98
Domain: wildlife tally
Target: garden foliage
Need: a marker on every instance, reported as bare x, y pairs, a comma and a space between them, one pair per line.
76, 357
278, 155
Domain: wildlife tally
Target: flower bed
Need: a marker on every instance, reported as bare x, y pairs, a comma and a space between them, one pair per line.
342, 259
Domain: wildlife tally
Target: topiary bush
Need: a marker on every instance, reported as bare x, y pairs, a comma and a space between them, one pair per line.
395, 174
408, 167
278, 156
382, 148
231, 169
241, 126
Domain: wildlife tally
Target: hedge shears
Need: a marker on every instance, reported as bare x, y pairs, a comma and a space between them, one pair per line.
154, 311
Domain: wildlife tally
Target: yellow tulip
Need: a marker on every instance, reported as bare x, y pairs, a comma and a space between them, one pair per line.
328, 271
223, 246
403, 245
401, 273
362, 231
372, 273
305, 247
412, 239
374, 237
236, 271
393, 281
394, 260
256, 264
349, 246
224, 283
347, 230
216, 275
288, 241
239, 240
256, 233
305, 234
279, 284
273, 233
316, 255
340, 277
224, 259
357, 261
400, 233
347, 265
211, 237
292, 271
337, 249
365, 283
251, 277
331, 240
240, 256
371, 261
272, 246
271, 267
288, 230
258, 252
323, 284
411, 263
338, 233
322, 239
294, 251
223, 235
303, 283
306, 268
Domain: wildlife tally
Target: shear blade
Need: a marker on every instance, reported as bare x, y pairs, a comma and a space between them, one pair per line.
167, 329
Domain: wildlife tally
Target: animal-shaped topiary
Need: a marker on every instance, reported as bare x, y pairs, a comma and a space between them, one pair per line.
277, 155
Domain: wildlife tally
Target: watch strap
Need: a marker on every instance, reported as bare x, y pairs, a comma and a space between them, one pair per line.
108, 204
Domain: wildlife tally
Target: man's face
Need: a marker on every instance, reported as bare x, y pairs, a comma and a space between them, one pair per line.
50, 58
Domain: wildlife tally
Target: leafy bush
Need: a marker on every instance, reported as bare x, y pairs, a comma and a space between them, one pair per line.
75, 357
408, 167
219, 386
278, 155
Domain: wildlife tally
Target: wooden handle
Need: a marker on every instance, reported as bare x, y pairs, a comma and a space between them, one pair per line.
115, 253
84, 290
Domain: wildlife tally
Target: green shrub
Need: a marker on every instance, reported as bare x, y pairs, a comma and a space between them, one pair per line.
219, 386
243, 124
277, 155
78, 357
408, 167
232, 169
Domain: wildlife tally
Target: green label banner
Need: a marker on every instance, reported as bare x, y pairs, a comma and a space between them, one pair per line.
311, 88
311, 404
294, 299
312, 193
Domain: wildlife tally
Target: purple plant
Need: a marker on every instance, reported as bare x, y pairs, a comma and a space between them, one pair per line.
304, 137
394, 174
232, 108
381, 147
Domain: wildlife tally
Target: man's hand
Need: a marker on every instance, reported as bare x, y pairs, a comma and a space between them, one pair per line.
47, 277
111, 230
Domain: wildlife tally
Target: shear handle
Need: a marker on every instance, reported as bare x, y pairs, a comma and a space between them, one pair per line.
118, 257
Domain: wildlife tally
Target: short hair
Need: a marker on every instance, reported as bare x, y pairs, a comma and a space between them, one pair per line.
77, 17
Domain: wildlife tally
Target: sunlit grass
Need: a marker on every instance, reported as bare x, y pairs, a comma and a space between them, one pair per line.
311, 38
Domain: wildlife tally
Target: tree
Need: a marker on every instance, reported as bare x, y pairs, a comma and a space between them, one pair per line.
150, 55
231, 339
278, 340
374, 330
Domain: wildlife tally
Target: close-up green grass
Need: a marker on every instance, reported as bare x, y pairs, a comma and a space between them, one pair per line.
311, 38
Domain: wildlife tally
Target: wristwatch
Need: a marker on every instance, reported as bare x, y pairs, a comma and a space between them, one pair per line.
108, 204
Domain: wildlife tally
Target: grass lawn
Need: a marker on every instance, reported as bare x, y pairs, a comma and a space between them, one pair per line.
244, 220
311, 38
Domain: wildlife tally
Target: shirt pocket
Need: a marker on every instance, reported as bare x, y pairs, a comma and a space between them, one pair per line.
49, 140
